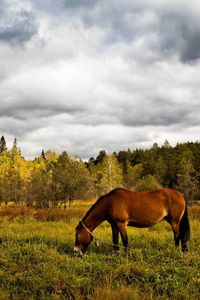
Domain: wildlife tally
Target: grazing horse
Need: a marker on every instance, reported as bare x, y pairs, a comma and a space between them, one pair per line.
122, 208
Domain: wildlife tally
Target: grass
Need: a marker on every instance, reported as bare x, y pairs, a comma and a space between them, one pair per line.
37, 261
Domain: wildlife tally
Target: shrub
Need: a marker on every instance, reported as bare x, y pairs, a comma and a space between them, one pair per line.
147, 183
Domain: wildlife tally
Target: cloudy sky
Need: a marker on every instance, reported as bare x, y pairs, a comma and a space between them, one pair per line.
86, 75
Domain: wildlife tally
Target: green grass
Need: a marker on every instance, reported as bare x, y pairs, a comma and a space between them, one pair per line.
37, 262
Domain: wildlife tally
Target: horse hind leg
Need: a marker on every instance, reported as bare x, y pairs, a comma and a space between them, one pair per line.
175, 228
184, 243
184, 230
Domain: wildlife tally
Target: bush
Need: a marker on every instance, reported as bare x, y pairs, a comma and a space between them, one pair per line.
147, 183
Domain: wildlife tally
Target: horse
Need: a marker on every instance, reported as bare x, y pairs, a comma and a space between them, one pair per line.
122, 208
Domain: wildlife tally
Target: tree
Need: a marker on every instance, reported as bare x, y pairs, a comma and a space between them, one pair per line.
166, 144
160, 170
43, 154
71, 179
149, 161
15, 143
79, 182
14, 173
170, 160
155, 146
132, 175
187, 182
2, 144
107, 175
100, 157
40, 186
4, 171
112, 172
124, 158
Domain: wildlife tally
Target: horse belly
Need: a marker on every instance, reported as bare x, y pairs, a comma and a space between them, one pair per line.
145, 219
141, 224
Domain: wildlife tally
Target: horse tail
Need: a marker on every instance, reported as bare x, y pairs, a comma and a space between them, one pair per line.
184, 228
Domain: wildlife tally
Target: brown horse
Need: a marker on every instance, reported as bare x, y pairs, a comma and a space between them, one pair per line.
122, 208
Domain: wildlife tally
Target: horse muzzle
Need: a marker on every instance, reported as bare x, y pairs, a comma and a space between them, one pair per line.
78, 251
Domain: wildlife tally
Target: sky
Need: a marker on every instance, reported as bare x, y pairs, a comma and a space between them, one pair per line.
87, 75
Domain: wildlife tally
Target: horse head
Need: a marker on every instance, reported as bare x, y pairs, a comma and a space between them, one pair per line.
82, 239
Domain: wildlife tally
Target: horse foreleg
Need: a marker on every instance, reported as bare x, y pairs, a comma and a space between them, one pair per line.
122, 227
115, 237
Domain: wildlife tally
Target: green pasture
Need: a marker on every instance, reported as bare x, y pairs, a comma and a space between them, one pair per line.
37, 262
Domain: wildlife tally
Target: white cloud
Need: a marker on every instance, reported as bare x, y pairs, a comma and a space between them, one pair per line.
106, 75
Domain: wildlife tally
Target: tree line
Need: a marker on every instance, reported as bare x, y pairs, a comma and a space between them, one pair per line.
52, 180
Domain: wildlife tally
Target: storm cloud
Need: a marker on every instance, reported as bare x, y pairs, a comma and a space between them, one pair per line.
82, 76
16, 26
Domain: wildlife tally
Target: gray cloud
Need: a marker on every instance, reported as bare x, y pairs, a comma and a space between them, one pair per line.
22, 111
167, 29
110, 74
80, 4
16, 27
179, 33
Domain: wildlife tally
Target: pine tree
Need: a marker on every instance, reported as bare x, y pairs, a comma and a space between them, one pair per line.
2, 144
15, 143
166, 144
187, 181
100, 157
43, 154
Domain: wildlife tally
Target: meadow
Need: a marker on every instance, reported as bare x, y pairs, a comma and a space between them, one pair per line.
37, 260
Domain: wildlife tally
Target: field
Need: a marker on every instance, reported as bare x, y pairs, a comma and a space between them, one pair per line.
37, 260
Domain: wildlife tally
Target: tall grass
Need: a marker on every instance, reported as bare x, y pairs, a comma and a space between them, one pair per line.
37, 261
43, 214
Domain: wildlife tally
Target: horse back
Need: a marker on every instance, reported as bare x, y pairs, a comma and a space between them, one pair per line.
144, 209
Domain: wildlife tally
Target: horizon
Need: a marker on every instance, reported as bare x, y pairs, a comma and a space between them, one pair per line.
10, 145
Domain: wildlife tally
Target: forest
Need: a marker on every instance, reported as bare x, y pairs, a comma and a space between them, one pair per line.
56, 180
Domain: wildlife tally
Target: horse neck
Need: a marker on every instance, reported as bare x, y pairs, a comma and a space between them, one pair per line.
95, 217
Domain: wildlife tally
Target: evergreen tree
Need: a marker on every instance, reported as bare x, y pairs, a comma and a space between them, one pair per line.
124, 158
100, 157
187, 181
43, 154
166, 144
15, 143
3, 144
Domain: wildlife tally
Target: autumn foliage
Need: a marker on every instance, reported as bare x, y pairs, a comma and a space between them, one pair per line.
54, 181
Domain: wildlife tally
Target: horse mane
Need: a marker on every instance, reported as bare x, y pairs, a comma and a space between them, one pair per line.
97, 202
92, 207
79, 226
